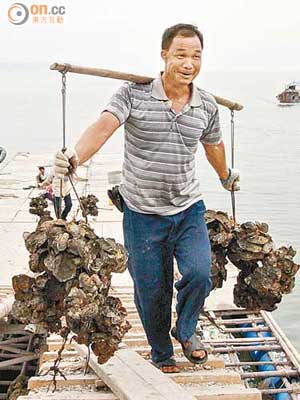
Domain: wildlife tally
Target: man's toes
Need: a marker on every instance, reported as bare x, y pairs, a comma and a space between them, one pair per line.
170, 369
199, 354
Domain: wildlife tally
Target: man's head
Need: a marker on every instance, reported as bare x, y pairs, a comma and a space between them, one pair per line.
182, 46
184, 30
42, 170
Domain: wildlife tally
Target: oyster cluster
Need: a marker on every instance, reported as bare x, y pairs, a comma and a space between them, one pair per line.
266, 273
38, 206
251, 243
262, 284
220, 228
89, 205
73, 268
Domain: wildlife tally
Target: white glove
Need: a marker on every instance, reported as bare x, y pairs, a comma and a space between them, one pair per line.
231, 183
65, 162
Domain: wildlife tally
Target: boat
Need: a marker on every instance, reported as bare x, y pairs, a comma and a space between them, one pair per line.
291, 94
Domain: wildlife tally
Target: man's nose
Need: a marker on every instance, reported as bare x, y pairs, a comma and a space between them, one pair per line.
188, 63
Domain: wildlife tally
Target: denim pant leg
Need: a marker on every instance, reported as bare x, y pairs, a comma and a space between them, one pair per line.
68, 206
57, 205
193, 255
150, 264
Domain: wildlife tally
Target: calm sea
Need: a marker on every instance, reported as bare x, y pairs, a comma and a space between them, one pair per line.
267, 145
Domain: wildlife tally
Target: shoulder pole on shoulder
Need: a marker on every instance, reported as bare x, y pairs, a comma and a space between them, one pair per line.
106, 73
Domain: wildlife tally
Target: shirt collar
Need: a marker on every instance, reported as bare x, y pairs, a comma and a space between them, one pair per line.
158, 93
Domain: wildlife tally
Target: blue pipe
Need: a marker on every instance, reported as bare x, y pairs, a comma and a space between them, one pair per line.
263, 356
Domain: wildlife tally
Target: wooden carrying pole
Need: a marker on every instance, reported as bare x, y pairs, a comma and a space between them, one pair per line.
106, 73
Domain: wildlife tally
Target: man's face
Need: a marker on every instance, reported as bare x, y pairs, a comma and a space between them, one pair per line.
42, 170
183, 59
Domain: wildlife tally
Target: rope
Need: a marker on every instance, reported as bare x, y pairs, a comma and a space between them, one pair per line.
232, 165
63, 93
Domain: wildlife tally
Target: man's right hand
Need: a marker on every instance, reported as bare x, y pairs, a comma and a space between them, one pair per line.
65, 162
232, 181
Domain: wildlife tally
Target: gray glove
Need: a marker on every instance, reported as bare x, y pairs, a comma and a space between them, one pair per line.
65, 162
231, 183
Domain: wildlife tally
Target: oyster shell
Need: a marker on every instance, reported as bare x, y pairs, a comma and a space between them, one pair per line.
38, 207
89, 205
218, 271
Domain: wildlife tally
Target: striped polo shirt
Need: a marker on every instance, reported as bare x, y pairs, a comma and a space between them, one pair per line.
158, 174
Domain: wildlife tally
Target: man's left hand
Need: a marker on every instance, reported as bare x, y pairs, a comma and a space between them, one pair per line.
231, 183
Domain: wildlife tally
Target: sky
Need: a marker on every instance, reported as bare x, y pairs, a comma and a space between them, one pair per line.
125, 35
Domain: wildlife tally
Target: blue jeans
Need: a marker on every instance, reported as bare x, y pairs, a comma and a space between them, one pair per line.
68, 206
152, 241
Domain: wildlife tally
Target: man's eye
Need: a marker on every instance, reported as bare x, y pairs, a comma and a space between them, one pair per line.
197, 57
180, 57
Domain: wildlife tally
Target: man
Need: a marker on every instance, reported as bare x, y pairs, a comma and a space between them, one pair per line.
163, 206
61, 192
41, 176
45, 190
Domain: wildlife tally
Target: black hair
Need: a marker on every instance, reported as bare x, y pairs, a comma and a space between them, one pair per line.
185, 30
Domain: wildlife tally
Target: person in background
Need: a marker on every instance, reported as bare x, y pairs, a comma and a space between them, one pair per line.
41, 176
61, 192
46, 192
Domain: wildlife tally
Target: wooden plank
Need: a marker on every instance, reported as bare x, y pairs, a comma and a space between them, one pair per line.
72, 380
212, 362
64, 365
69, 395
218, 392
52, 355
204, 376
17, 360
12, 329
13, 349
53, 346
20, 339
140, 342
130, 377
146, 349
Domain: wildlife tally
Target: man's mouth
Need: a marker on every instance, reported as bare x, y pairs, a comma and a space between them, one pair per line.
186, 75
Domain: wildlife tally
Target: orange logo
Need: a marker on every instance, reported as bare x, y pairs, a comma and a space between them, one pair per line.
18, 14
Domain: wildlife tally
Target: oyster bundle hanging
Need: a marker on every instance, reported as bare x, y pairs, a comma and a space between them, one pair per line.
251, 242
73, 268
265, 273
220, 228
261, 284
89, 205
38, 206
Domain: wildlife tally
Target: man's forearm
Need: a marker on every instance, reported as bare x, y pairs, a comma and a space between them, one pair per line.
216, 156
89, 143
95, 136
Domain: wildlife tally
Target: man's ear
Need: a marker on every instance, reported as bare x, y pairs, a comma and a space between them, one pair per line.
163, 54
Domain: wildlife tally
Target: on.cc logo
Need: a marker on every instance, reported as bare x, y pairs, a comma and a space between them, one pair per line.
18, 14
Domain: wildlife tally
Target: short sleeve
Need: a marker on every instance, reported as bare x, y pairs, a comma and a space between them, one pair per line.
120, 103
212, 133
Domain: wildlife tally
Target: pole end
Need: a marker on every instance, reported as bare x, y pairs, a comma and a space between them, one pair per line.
53, 66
